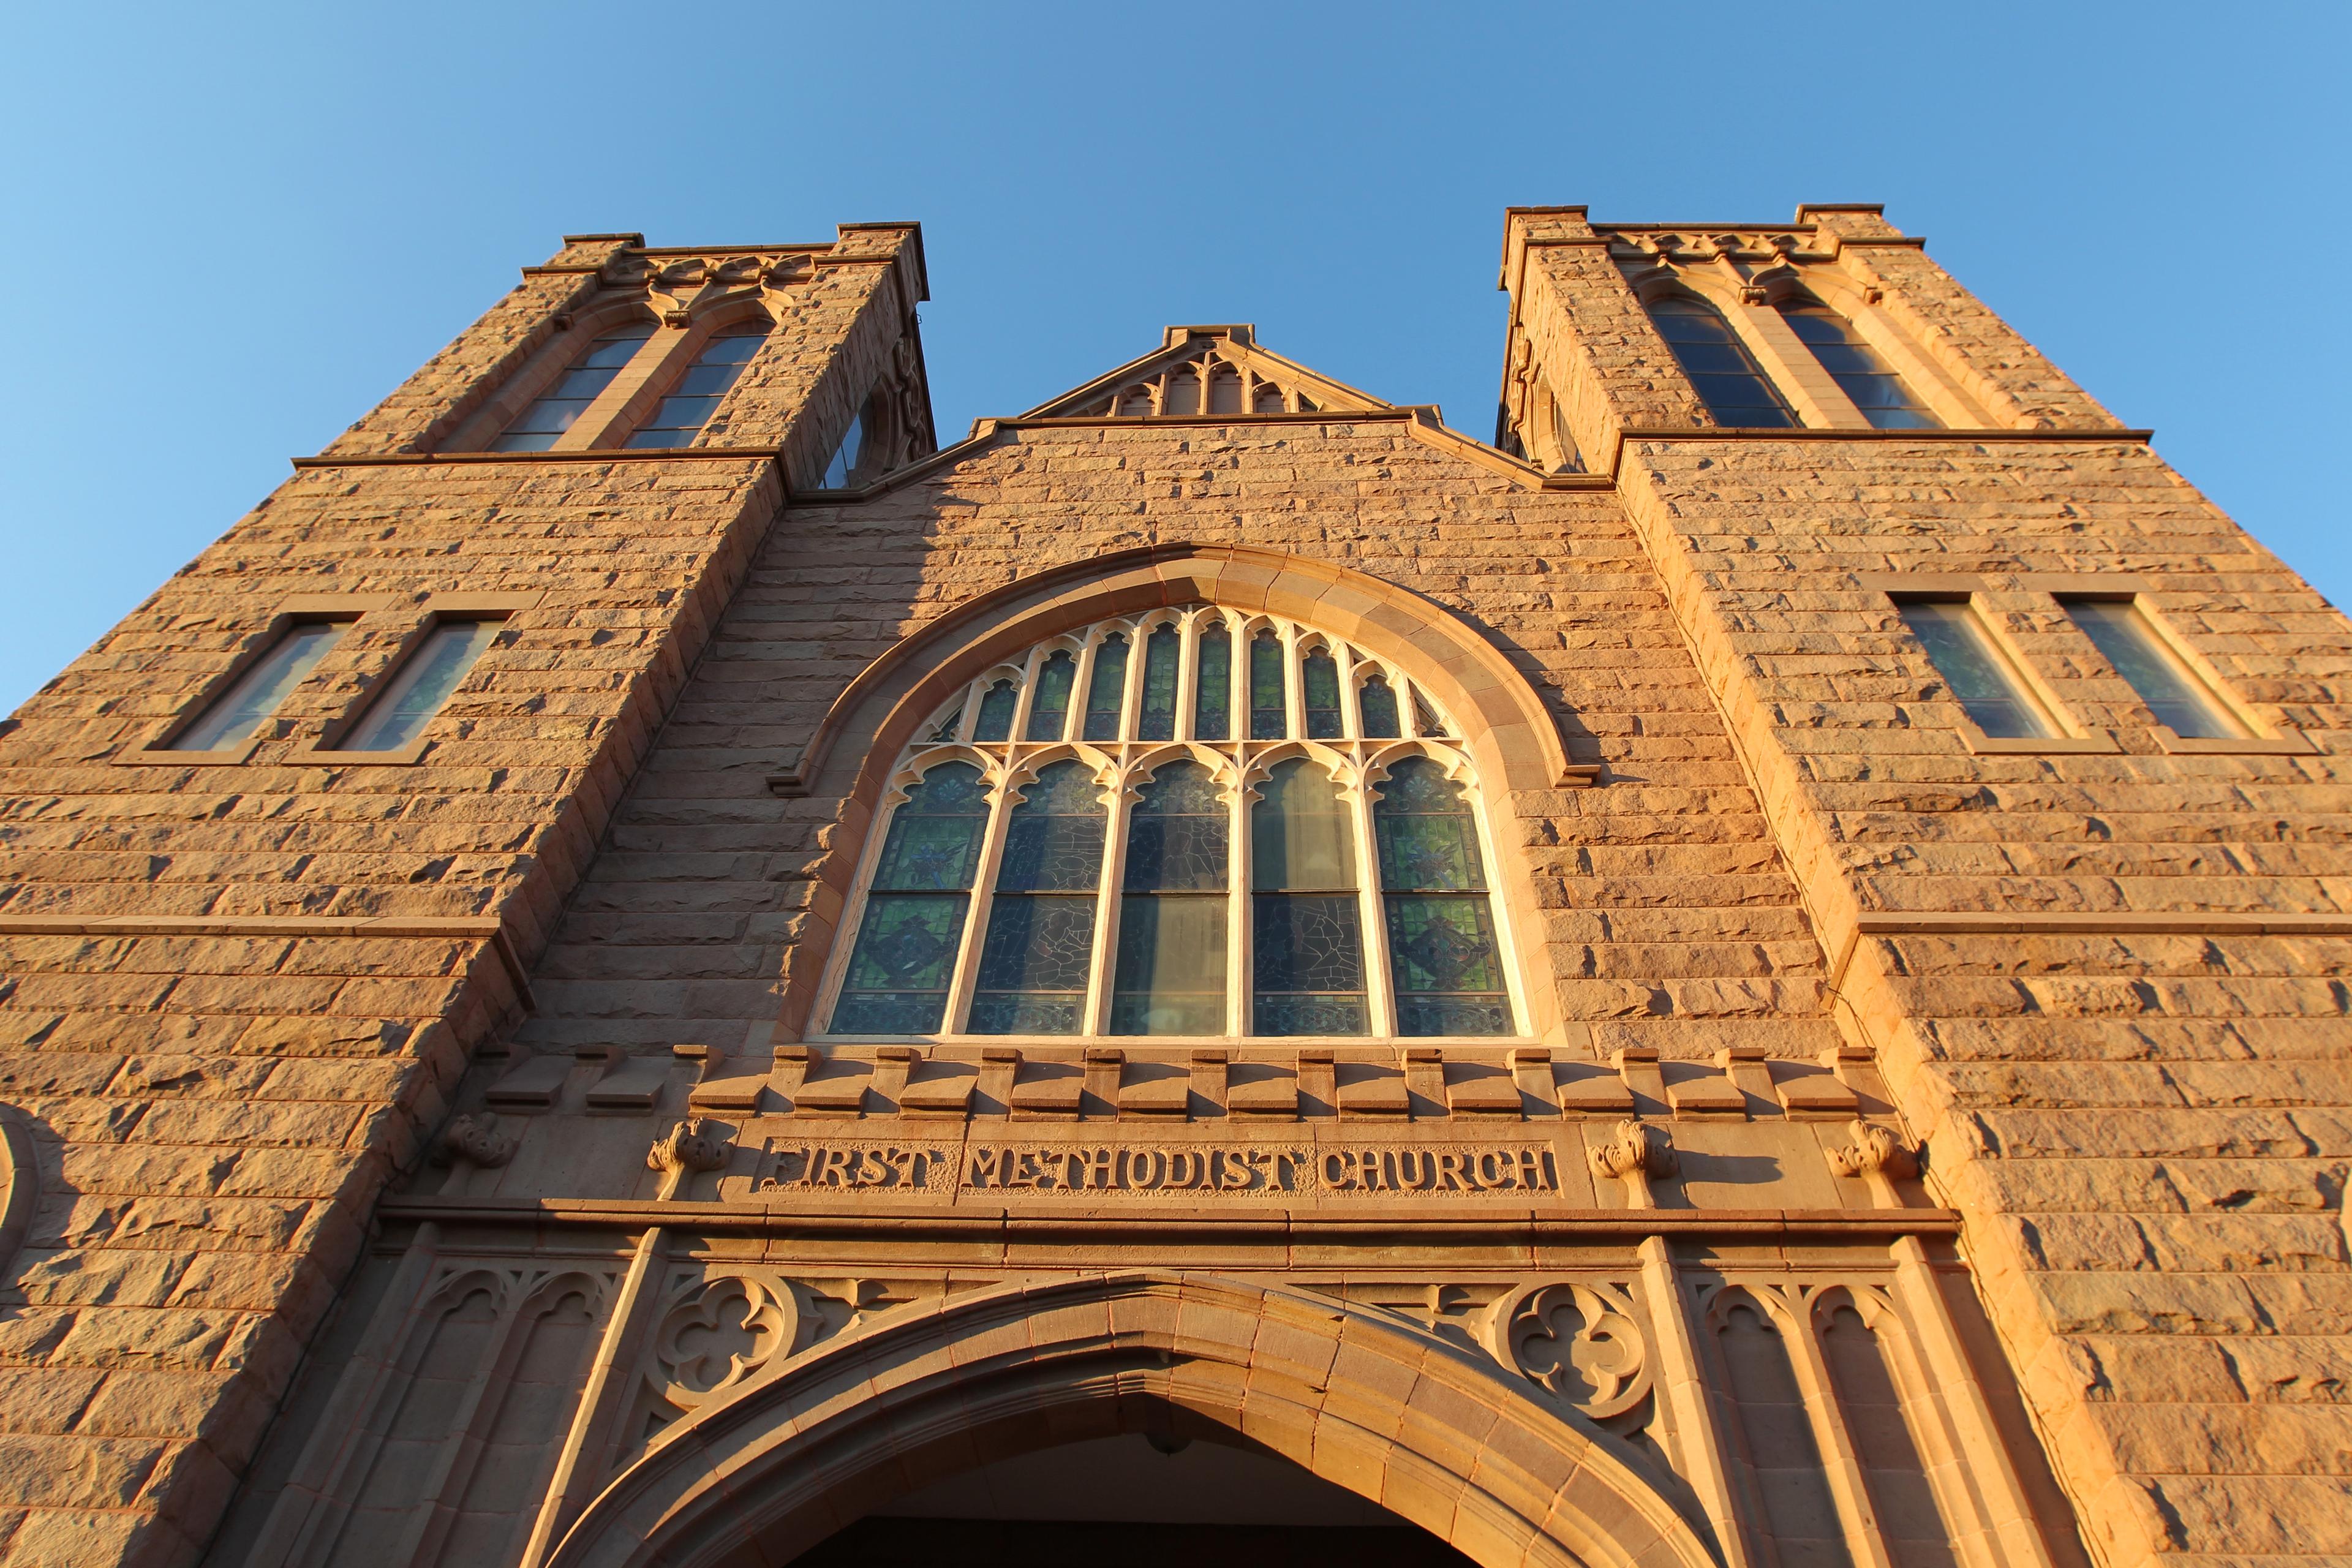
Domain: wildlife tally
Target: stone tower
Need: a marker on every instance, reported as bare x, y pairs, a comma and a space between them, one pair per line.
643, 966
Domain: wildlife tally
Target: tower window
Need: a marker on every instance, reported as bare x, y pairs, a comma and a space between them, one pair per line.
1162, 868
1981, 677
682, 415
1728, 380
2179, 698
421, 685
556, 411
232, 718
1855, 366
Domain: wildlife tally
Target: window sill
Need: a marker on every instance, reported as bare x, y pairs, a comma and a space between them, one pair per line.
1986, 745
151, 755
323, 756
2291, 744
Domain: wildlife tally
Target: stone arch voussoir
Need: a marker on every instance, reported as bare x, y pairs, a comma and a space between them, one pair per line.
1371, 1403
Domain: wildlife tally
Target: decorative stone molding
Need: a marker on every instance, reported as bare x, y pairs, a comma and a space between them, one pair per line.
1879, 1157
1638, 1152
476, 1141
689, 1147
1581, 1340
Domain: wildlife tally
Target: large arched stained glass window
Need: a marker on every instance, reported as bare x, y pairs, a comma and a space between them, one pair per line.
914, 905
1194, 822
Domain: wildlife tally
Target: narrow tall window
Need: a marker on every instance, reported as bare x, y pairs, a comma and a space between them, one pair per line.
1318, 680
1049, 705
420, 687
1981, 678
1161, 650
1306, 936
1170, 976
1106, 691
915, 906
2173, 692
1212, 683
996, 705
1800, 1515
535, 429
1860, 374
846, 456
1035, 964
1729, 381
1447, 967
1269, 717
1378, 704
682, 415
231, 718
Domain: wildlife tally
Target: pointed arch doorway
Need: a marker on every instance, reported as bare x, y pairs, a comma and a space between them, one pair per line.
1370, 1405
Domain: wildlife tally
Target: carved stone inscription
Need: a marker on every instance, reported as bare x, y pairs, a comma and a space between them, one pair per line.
1234, 1170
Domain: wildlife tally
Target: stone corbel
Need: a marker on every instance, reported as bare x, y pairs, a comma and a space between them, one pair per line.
476, 1141
1638, 1152
1878, 1157
686, 1149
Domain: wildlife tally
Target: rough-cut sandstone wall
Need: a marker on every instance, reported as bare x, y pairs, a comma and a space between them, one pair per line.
2148, 1130
221, 1061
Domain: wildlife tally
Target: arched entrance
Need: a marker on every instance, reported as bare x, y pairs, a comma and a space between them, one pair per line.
1369, 1402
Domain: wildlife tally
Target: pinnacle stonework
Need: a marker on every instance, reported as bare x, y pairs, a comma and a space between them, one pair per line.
705, 1088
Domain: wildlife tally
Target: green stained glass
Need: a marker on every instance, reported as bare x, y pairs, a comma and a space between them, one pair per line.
905, 957
1319, 689
1378, 703
1106, 690
1161, 651
1269, 717
1428, 841
1443, 960
1049, 706
1213, 684
995, 721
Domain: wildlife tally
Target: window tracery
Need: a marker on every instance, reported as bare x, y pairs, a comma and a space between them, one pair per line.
1137, 862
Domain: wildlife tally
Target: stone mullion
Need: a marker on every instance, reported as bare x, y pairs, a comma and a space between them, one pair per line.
595, 429
1379, 991
1681, 1381
1130, 697
1840, 1465
1293, 685
326, 1470
975, 915
1102, 968
1082, 685
588, 1447
1241, 976
2003, 1511
1031, 663
1188, 654
1819, 401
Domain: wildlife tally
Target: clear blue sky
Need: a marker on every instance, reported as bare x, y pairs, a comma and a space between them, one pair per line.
235, 227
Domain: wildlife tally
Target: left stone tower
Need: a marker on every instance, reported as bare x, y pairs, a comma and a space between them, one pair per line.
278, 850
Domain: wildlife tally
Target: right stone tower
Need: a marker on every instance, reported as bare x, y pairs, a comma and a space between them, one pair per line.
2053, 749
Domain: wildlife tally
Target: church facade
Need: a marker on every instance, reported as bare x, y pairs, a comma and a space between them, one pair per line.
647, 965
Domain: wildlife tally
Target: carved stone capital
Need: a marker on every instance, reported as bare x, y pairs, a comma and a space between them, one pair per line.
1639, 1149
1875, 1151
689, 1146
476, 1140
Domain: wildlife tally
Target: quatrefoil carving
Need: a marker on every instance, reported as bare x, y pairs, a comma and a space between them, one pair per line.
716, 1337
1582, 1342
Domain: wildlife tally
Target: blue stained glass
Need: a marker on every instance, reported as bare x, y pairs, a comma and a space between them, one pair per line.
1169, 977
900, 969
1036, 960
1377, 703
1727, 377
1049, 705
1161, 651
1307, 935
995, 721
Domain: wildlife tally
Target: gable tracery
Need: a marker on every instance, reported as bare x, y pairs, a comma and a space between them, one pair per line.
1212, 380
1198, 821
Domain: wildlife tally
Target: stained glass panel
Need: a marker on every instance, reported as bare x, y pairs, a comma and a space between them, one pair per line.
1161, 651
1319, 686
905, 957
1269, 717
1106, 690
1378, 705
1427, 840
1212, 683
1177, 839
1979, 675
995, 721
1171, 977
1445, 962
1049, 706
1301, 838
1034, 961
1308, 954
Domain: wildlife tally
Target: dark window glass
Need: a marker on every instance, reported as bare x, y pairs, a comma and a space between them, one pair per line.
1318, 680
915, 908
1979, 677
1269, 717
690, 403
1728, 380
1049, 705
1378, 703
1106, 690
996, 705
1170, 971
1425, 721
1855, 366
846, 456
2172, 692
1307, 939
1442, 952
421, 684
1161, 651
1213, 684
236, 713
1040, 923
561, 406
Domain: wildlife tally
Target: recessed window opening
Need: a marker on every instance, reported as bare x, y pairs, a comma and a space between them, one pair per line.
1727, 376
1979, 673
1122, 900
1869, 381
232, 718
2179, 698
537, 427
846, 456
681, 416
421, 686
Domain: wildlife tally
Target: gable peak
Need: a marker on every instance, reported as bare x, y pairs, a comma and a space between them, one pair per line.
1207, 370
